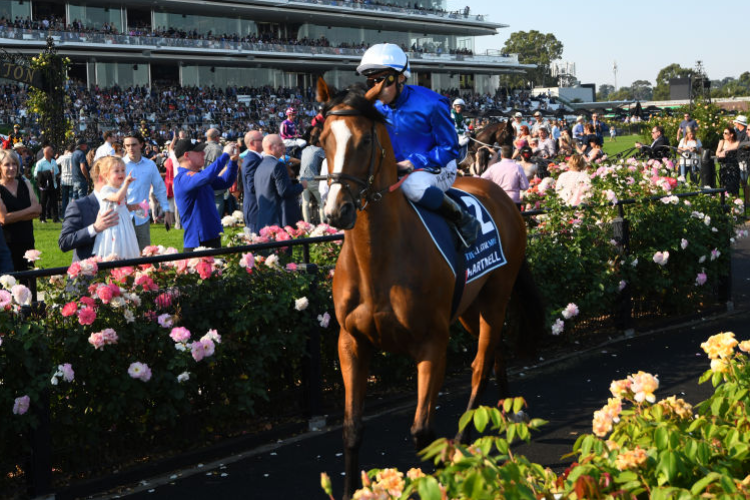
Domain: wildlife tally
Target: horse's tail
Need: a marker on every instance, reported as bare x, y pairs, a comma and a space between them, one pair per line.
530, 307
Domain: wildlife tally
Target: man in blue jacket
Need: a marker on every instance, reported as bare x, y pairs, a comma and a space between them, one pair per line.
422, 134
251, 158
274, 190
194, 191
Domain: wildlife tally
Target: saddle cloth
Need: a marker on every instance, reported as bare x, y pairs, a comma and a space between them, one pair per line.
466, 264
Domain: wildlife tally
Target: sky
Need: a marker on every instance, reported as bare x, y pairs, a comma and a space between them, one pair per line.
642, 36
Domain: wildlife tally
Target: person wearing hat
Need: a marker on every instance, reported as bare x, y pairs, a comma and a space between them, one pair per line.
194, 191
16, 136
459, 122
517, 122
578, 130
740, 126
539, 123
424, 140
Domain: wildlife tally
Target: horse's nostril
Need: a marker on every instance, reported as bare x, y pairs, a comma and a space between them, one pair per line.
346, 210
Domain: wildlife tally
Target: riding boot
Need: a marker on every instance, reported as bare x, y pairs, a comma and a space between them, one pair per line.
468, 226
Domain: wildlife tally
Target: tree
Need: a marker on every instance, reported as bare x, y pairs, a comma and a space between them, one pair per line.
604, 91
641, 90
538, 48
622, 94
661, 91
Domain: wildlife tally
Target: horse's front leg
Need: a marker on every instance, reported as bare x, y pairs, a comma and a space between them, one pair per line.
354, 358
430, 373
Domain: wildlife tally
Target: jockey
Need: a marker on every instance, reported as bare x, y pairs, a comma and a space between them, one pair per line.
288, 131
459, 123
318, 120
422, 134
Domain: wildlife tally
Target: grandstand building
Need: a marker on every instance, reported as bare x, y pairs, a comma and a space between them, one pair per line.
254, 43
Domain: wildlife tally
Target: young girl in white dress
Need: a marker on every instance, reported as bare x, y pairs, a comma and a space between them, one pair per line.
120, 240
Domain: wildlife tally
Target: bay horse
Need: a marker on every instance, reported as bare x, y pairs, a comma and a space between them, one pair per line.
392, 290
499, 133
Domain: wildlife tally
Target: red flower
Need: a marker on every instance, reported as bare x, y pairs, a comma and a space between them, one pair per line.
88, 301
204, 270
86, 316
69, 309
104, 293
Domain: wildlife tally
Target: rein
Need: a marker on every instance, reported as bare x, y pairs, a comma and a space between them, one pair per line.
483, 143
366, 192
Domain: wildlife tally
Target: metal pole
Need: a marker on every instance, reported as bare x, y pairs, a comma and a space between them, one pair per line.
624, 301
311, 364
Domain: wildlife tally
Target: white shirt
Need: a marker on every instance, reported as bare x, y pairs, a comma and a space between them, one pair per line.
105, 149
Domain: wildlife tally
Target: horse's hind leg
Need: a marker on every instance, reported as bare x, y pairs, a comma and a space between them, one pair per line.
490, 327
354, 358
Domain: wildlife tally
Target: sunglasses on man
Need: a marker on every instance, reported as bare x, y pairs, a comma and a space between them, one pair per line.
389, 80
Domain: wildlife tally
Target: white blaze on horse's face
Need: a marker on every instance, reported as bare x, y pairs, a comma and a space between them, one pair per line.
342, 134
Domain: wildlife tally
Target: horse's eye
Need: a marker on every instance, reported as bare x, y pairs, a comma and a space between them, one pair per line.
367, 139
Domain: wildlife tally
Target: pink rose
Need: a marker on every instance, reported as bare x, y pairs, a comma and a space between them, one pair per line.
32, 255
291, 267
21, 405
163, 300
88, 301
165, 321
74, 270
86, 316
197, 350
69, 309
5, 299
180, 334
104, 293
204, 269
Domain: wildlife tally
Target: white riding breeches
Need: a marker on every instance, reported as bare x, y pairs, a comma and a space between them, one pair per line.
290, 143
417, 183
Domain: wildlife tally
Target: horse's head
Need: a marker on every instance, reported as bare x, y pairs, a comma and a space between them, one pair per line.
355, 142
505, 133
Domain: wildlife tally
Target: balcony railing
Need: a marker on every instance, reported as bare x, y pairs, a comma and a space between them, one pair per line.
76, 39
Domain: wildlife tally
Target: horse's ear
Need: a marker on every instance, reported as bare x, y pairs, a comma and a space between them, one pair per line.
372, 94
323, 92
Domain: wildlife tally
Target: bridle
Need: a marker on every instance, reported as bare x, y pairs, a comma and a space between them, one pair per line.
366, 191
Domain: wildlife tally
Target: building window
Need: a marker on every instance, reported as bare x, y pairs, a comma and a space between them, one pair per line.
15, 8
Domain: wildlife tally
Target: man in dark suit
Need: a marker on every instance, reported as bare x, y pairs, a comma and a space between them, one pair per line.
250, 161
273, 187
83, 222
659, 148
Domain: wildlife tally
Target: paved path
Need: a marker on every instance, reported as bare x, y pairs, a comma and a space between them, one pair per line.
566, 393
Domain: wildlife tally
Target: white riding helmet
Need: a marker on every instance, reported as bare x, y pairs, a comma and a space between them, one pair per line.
459, 102
384, 56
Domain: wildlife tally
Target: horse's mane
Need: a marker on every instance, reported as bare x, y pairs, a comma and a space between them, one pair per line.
354, 97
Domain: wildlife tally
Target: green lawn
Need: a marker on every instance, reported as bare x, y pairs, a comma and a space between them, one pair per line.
46, 236
621, 144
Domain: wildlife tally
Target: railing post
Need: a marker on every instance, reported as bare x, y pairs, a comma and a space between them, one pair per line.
311, 364
724, 291
39, 480
624, 301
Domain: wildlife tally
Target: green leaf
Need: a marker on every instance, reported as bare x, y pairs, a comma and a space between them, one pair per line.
702, 483
465, 419
667, 465
661, 438
507, 405
626, 476
518, 404
429, 489
727, 484
511, 432
481, 417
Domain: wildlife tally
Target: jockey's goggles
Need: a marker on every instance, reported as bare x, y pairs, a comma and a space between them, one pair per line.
389, 80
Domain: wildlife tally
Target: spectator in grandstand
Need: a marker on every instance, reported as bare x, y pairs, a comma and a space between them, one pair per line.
250, 160
146, 177
508, 175
18, 208
312, 158
686, 122
80, 169
83, 221
106, 149
726, 153
45, 173
573, 186
689, 149
659, 146
273, 186
194, 187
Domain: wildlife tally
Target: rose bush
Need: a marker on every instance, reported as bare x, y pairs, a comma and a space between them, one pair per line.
639, 448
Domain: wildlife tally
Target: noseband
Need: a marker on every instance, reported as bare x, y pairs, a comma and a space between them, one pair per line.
365, 192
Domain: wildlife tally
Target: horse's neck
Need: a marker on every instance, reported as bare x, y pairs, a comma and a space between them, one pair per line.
381, 229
